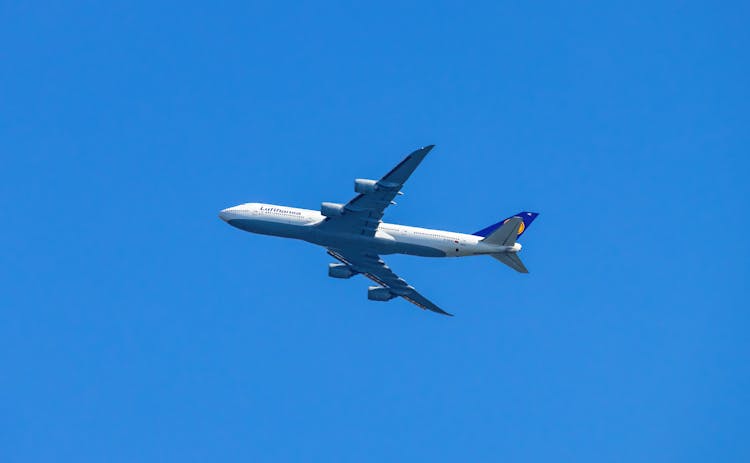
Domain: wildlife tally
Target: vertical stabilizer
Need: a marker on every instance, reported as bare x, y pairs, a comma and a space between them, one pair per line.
527, 217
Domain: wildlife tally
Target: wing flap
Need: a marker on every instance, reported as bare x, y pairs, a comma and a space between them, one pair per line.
423, 303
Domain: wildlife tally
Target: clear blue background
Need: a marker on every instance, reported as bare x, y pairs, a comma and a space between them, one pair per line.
136, 326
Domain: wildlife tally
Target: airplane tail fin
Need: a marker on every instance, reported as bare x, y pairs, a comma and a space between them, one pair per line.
506, 233
526, 217
512, 260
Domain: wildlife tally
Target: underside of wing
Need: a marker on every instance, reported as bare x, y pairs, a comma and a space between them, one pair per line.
424, 303
391, 285
362, 214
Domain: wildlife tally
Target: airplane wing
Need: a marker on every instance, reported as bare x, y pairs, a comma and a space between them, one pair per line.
362, 214
373, 267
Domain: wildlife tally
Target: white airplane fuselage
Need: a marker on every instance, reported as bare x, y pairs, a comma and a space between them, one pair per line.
305, 224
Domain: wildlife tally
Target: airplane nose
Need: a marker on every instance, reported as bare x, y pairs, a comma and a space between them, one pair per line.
224, 215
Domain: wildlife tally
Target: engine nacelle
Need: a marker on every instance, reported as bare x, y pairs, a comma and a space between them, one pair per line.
379, 293
340, 271
363, 185
331, 209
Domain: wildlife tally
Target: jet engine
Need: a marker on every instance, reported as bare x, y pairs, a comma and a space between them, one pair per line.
340, 271
331, 209
379, 293
363, 185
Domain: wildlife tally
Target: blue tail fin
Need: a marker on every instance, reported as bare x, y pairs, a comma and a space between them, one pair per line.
527, 217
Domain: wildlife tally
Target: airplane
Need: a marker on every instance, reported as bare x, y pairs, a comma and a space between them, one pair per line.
354, 234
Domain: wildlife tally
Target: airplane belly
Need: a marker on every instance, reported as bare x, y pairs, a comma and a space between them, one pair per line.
381, 243
268, 227
394, 243
402, 245
418, 250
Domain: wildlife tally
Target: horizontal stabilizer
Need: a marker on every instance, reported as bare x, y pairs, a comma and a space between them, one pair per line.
506, 235
512, 260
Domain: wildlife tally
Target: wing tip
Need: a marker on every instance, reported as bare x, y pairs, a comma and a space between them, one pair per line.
438, 311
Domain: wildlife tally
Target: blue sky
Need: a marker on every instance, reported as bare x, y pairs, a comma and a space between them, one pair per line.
136, 326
